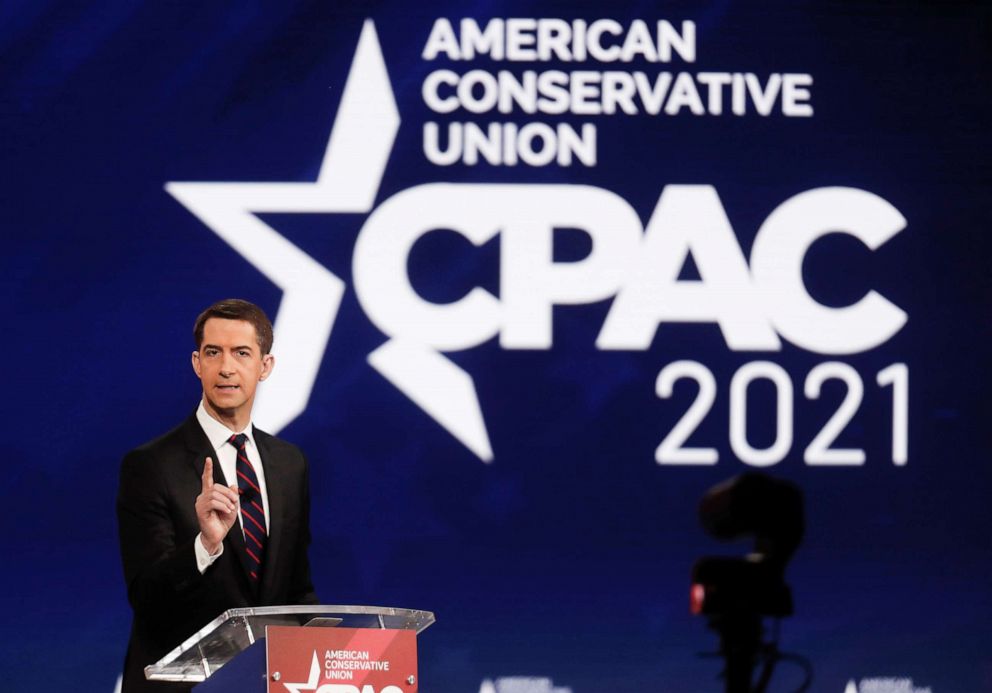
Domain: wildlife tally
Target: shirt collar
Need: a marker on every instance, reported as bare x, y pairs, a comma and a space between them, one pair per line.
218, 433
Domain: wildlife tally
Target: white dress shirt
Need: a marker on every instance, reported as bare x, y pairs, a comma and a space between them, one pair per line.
219, 436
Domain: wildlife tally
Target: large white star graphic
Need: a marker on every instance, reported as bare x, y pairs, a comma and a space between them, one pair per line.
357, 151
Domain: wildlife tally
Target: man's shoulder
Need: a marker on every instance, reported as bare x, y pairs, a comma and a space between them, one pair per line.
161, 458
277, 447
178, 438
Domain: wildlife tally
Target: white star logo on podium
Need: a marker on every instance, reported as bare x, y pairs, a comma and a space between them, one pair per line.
311, 684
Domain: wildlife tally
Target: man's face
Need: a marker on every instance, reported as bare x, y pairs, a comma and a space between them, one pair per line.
230, 365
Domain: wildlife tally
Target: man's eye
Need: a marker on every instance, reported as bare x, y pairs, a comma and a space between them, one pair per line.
243, 352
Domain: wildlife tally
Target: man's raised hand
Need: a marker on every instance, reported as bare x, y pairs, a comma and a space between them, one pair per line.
216, 509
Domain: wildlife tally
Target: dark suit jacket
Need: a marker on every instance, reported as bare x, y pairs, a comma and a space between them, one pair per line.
157, 522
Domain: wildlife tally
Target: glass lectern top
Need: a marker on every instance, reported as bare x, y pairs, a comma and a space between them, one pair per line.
235, 630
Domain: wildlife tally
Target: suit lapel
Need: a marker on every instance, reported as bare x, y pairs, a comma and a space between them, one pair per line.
199, 446
276, 491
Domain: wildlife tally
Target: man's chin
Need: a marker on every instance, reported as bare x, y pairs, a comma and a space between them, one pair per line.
222, 408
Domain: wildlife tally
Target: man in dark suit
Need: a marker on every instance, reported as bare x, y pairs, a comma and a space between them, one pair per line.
213, 515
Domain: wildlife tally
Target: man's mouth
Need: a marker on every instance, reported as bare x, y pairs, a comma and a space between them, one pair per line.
228, 388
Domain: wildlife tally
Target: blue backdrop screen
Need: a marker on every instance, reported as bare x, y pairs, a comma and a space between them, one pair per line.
541, 275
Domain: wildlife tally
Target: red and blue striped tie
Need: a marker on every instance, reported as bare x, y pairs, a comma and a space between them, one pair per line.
252, 513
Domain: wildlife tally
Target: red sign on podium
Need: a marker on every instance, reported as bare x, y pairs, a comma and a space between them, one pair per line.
340, 660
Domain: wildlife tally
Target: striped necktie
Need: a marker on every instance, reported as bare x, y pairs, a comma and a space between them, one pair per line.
252, 513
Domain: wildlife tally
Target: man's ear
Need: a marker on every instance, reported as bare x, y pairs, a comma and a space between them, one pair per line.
196, 363
268, 363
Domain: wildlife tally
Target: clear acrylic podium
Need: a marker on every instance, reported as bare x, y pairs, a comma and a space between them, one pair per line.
236, 631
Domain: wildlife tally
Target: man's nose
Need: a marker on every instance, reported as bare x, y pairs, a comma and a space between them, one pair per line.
227, 365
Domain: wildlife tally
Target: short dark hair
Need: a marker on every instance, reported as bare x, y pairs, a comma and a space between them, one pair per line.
237, 309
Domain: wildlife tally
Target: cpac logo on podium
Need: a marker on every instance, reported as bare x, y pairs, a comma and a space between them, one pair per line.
344, 688
313, 680
756, 302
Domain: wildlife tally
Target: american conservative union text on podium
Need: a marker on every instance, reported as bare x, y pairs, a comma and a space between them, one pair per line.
289, 649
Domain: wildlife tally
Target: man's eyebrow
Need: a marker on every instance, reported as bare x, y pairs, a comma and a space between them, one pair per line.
220, 348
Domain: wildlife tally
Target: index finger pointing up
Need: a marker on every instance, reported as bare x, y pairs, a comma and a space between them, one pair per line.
208, 474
